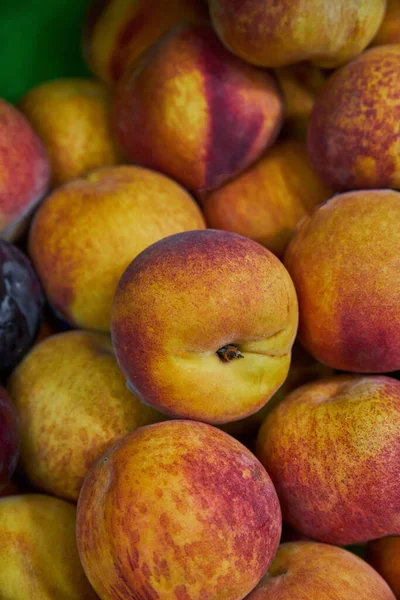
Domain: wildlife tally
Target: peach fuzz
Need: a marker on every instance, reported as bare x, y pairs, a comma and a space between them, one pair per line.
389, 31
87, 232
353, 135
73, 404
384, 556
332, 449
265, 202
24, 170
203, 323
177, 510
72, 117
194, 111
276, 34
344, 262
312, 571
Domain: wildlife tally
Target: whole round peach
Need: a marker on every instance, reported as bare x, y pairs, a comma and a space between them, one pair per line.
384, 556
203, 323
117, 32
73, 404
72, 117
266, 201
275, 34
389, 31
312, 571
332, 449
24, 170
177, 510
194, 111
353, 135
88, 231
344, 261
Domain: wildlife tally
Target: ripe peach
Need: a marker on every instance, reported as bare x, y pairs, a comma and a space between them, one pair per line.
194, 111
72, 117
384, 556
344, 261
87, 232
389, 31
332, 449
265, 202
177, 510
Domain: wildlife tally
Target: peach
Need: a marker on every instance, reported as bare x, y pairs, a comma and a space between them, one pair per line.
276, 34
88, 231
73, 404
265, 202
203, 323
344, 261
38, 554
177, 510
312, 571
332, 449
194, 111
117, 32
72, 117
24, 170
353, 135
389, 31
384, 556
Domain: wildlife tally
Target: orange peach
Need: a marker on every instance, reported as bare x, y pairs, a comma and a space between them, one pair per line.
265, 202
384, 556
73, 404
389, 31
24, 170
177, 510
344, 261
332, 449
194, 111
117, 32
88, 231
353, 135
203, 323
284, 32
72, 117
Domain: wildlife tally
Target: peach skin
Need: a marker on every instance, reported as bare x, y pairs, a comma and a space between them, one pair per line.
177, 510
88, 231
266, 201
72, 117
389, 31
203, 323
332, 449
117, 32
213, 112
284, 32
384, 556
344, 262
353, 135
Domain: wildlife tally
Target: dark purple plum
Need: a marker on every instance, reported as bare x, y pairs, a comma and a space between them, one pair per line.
9, 438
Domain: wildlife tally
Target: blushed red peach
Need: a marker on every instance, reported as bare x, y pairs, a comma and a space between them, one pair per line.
389, 31
194, 111
177, 510
353, 135
203, 324
332, 449
24, 170
117, 32
384, 556
88, 231
344, 262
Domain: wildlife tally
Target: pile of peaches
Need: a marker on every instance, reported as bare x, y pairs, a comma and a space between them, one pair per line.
200, 308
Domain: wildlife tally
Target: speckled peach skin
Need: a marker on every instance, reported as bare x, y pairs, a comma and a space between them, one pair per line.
73, 404
284, 32
332, 450
344, 262
117, 32
177, 510
24, 170
384, 556
190, 295
389, 31
194, 111
38, 554
353, 135
88, 231
72, 117
312, 571
266, 201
